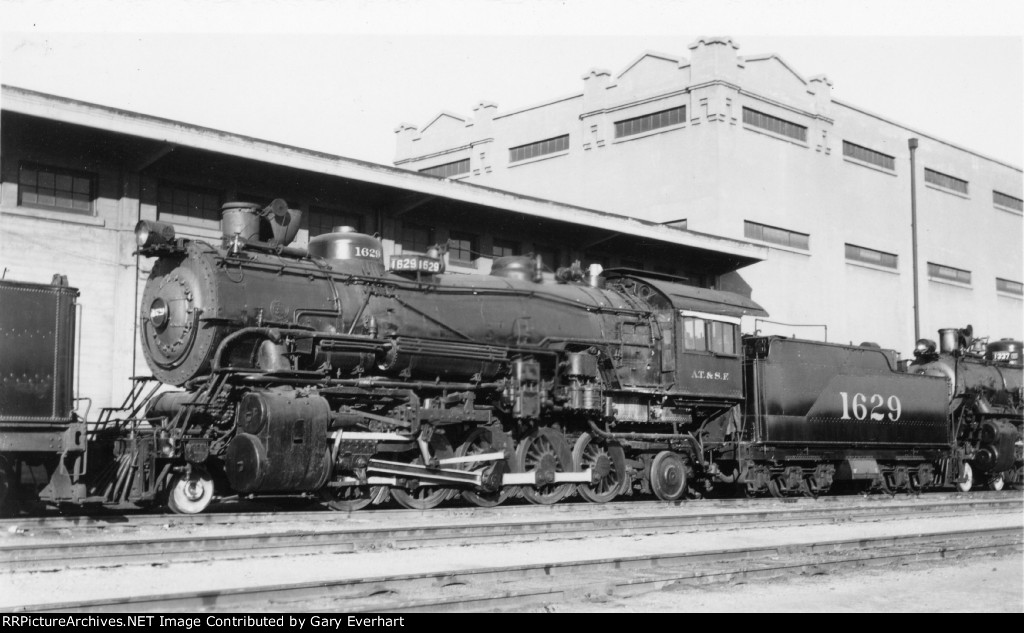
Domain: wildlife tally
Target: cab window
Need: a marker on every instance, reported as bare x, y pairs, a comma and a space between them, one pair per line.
702, 335
693, 334
722, 337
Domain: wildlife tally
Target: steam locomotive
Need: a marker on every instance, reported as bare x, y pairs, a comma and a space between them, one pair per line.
321, 371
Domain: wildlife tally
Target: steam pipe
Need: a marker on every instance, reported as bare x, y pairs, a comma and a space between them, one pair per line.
273, 334
912, 144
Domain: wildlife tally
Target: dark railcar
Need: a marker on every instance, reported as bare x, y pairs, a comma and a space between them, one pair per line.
38, 426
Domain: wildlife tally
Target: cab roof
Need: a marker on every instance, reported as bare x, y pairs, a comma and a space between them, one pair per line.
683, 297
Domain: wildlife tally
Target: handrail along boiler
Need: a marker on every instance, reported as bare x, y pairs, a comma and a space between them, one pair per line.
321, 371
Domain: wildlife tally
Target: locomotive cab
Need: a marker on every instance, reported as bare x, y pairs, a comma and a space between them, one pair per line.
698, 330
710, 363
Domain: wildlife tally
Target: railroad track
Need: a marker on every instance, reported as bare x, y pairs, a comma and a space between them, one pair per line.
406, 530
110, 522
497, 587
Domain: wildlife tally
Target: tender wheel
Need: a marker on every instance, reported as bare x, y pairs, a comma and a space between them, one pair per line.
968, 474
809, 488
426, 497
668, 476
997, 483
190, 494
477, 442
887, 485
351, 498
607, 461
546, 452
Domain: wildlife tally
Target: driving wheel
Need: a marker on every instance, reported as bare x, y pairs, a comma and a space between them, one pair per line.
545, 452
425, 497
480, 441
608, 464
352, 498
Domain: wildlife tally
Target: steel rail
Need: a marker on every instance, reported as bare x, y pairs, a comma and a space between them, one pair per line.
709, 572
109, 521
689, 565
50, 555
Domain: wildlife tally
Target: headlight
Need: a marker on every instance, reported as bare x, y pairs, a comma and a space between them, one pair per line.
924, 347
152, 233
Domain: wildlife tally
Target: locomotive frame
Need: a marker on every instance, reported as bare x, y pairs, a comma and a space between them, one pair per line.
317, 372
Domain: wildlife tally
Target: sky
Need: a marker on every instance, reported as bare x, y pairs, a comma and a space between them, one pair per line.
340, 76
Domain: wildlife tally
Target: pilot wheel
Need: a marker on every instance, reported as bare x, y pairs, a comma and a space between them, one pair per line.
191, 493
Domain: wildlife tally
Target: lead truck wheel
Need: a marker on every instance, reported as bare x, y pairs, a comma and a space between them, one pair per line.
968, 476
190, 494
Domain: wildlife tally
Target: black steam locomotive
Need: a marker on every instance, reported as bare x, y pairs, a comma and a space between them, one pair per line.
321, 371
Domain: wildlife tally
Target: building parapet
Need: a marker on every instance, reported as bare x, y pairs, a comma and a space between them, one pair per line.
915, 132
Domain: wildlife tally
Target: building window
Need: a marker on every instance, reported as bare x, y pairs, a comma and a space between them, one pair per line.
948, 272
416, 238
504, 248
540, 148
774, 124
182, 202
870, 256
461, 246
945, 181
648, 122
1009, 202
869, 156
766, 233
55, 188
322, 220
448, 170
1011, 287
